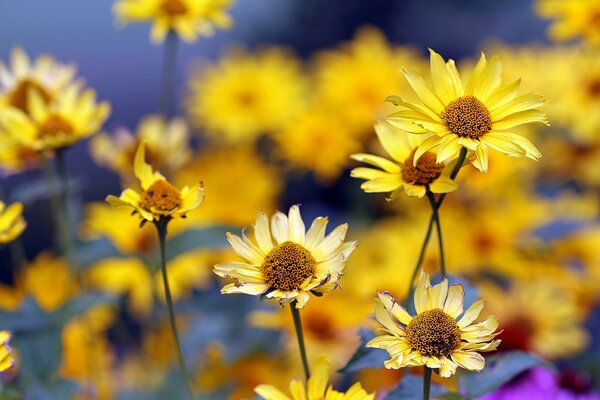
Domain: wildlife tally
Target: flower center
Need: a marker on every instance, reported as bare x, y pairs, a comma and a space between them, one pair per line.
162, 196
287, 266
425, 172
19, 97
467, 117
433, 333
173, 7
54, 126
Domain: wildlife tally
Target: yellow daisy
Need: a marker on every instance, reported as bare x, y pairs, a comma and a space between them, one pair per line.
415, 177
316, 388
6, 359
287, 262
167, 146
475, 116
44, 75
573, 19
12, 223
434, 337
16, 157
188, 18
247, 94
72, 116
159, 199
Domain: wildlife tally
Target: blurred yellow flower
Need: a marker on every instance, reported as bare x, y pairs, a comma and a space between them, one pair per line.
11, 296
159, 199
188, 18
319, 141
44, 272
572, 19
70, 117
300, 261
538, 316
482, 114
233, 176
187, 272
16, 157
167, 146
414, 176
434, 337
353, 81
23, 77
247, 94
316, 388
6, 359
12, 223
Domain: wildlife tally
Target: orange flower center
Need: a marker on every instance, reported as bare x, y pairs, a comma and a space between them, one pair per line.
425, 172
467, 117
162, 196
433, 333
287, 266
19, 97
55, 125
173, 7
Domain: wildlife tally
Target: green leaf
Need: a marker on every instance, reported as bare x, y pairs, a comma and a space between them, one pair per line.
411, 388
364, 357
499, 370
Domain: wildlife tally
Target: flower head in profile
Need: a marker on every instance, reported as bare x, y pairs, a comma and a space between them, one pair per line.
188, 18
316, 388
572, 19
6, 359
12, 223
477, 116
159, 199
434, 337
70, 117
402, 173
287, 262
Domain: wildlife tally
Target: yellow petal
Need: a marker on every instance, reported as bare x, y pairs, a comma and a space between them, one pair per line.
297, 230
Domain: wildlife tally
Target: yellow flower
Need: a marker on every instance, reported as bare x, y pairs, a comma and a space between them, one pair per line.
434, 337
188, 18
167, 149
16, 157
573, 19
293, 265
413, 175
316, 388
319, 141
45, 272
481, 114
44, 75
12, 223
72, 116
247, 95
6, 359
159, 199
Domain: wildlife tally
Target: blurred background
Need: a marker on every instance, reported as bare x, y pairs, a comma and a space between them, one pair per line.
267, 114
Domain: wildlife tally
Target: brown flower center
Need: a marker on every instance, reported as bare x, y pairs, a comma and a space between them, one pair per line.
433, 333
287, 266
173, 7
54, 126
425, 172
162, 196
19, 97
467, 117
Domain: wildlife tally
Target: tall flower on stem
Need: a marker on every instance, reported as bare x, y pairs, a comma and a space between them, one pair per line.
288, 263
159, 202
436, 337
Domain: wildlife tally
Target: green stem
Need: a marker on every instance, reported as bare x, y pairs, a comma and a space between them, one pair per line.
426, 382
459, 163
61, 168
436, 217
161, 227
55, 206
167, 90
300, 336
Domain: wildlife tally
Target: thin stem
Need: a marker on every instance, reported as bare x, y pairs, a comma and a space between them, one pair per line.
436, 217
426, 382
167, 90
61, 168
55, 206
161, 227
300, 336
461, 159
